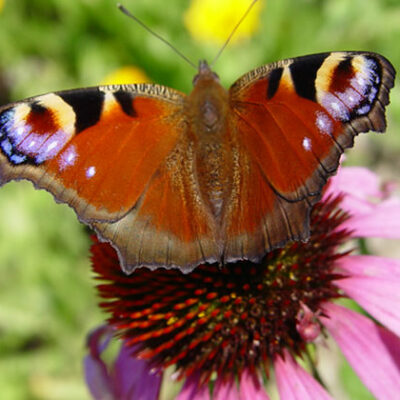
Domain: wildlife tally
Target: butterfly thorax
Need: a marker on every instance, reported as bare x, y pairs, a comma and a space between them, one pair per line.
207, 104
207, 107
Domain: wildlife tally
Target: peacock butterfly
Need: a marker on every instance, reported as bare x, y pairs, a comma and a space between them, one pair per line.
173, 180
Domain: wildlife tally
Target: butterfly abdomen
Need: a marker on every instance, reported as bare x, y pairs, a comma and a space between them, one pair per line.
207, 107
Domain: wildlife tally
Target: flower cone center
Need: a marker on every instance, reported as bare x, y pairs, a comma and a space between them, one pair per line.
224, 319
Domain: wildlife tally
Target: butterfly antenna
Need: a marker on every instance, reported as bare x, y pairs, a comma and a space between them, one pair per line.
142, 24
233, 32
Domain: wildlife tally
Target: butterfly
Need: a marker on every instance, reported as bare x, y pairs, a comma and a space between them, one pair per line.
174, 180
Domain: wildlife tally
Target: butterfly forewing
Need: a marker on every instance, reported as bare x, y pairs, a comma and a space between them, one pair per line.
89, 147
295, 118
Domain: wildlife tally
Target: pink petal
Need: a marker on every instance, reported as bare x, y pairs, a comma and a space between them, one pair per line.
251, 387
359, 182
370, 266
355, 206
372, 351
378, 296
225, 390
361, 189
193, 390
294, 383
383, 220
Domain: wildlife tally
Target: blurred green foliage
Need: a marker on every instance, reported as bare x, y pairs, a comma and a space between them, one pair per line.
47, 300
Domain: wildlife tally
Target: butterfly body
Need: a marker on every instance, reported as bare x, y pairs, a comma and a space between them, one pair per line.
219, 175
207, 112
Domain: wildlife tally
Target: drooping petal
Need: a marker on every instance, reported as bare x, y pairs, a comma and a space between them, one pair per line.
294, 383
378, 296
370, 266
358, 182
133, 379
128, 379
382, 220
251, 387
372, 351
374, 212
193, 390
97, 378
225, 390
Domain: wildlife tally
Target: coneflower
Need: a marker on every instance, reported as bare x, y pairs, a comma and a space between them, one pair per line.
224, 329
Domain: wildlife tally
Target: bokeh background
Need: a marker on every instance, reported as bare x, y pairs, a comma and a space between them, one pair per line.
47, 297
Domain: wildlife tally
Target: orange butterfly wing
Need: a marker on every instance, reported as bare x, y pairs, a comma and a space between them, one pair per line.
115, 155
293, 120
170, 226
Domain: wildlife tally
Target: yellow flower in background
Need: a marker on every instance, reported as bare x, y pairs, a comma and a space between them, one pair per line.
1, 4
213, 20
124, 75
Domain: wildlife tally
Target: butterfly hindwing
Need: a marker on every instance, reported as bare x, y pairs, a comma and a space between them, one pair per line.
295, 118
171, 226
256, 218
